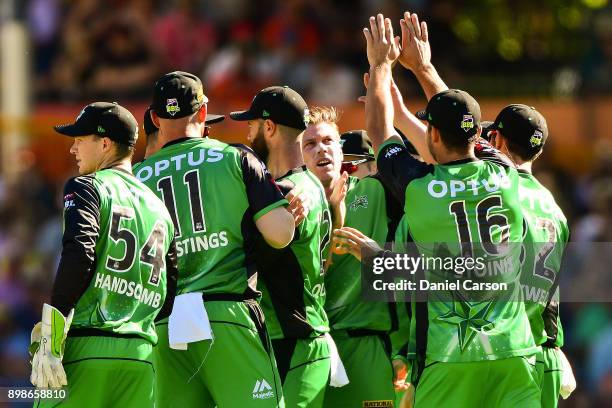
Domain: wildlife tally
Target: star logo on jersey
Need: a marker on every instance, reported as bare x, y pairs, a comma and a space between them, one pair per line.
469, 319
359, 202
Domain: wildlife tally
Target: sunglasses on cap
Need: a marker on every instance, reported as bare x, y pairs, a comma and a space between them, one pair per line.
352, 166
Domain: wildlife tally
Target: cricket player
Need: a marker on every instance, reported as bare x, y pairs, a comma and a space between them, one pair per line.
360, 329
117, 273
358, 155
458, 338
214, 349
518, 135
293, 277
520, 131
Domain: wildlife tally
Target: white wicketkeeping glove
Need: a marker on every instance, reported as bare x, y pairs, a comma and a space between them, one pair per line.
47, 348
568, 381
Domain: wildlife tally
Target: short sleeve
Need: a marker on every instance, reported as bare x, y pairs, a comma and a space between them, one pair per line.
262, 192
397, 168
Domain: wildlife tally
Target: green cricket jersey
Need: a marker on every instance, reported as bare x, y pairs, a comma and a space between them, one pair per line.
545, 238
292, 278
467, 201
369, 210
117, 257
214, 193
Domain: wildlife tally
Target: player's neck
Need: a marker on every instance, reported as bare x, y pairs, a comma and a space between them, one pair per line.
451, 156
170, 133
121, 164
329, 187
525, 166
283, 159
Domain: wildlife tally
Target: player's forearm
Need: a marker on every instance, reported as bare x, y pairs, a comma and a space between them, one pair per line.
379, 106
416, 132
81, 230
171, 283
74, 274
338, 214
430, 80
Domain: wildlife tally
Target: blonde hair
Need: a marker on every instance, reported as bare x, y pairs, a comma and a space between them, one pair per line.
324, 114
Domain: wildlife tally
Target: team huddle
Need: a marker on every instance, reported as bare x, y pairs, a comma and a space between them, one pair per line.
215, 274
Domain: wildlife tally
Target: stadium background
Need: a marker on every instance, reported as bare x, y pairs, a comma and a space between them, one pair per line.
57, 55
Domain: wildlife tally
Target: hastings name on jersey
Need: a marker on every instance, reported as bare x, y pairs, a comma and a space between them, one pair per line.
201, 242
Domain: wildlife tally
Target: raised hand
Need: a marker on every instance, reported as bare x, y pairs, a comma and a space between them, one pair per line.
382, 47
415, 52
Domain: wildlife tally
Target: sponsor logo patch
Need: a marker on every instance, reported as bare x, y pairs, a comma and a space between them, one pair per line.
536, 139
377, 404
69, 200
393, 151
172, 106
467, 123
262, 390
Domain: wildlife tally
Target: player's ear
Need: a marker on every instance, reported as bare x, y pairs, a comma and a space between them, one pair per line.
202, 113
497, 139
154, 118
269, 127
435, 135
106, 144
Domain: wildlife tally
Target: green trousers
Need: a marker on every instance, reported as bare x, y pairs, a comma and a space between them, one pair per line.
235, 369
506, 383
369, 370
107, 372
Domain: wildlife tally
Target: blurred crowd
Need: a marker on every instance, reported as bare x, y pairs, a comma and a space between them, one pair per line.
115, 48
89, 49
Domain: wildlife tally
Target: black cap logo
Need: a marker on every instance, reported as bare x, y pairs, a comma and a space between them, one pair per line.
467, 123
536, 139
172, 106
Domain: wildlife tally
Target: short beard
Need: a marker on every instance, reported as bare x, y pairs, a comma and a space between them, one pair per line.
260, 147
